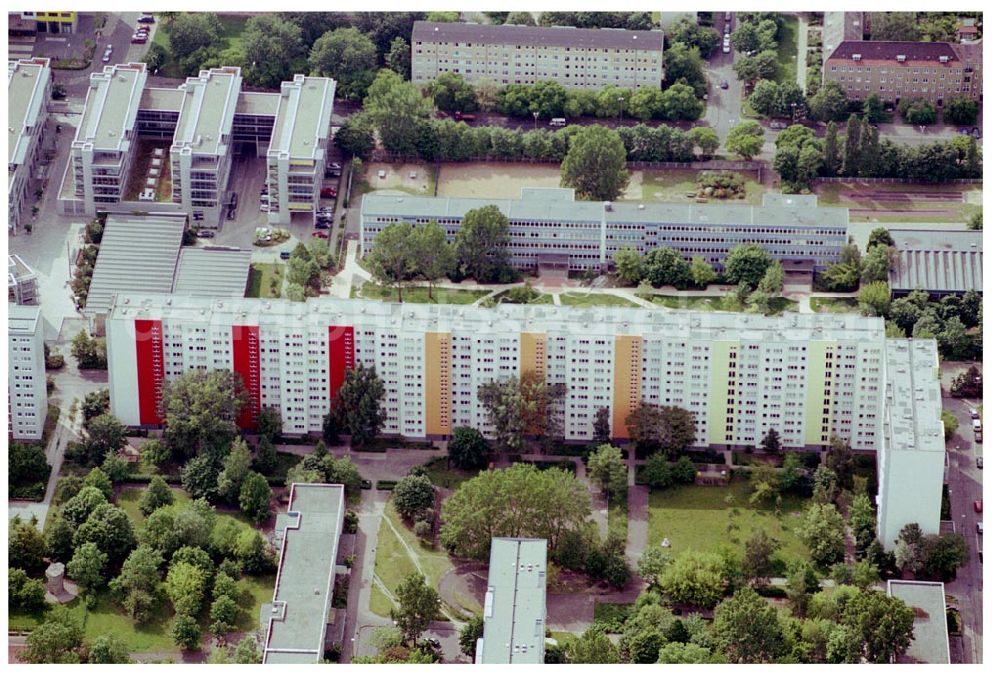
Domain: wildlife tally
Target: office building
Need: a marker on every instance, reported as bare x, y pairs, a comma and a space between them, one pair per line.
296, 157
202, 154
549, 228
894, 71
514, 606
22, 282
52, 22
27, 399
308, 534
101, 155
27, 92
583, 58
931, 643
941, 262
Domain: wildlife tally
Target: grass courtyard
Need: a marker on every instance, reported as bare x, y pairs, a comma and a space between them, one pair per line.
788, 50
695, 517
673, 186
266, 280
716, 303
443, 476
594, 300
419, 294
834, 305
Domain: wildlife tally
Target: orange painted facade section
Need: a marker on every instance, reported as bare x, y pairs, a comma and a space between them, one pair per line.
437, 383
628, 377
533, 354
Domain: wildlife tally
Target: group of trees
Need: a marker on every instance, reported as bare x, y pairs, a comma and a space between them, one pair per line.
872, 270
523, 407
955, 322
934, 557
27, 470
918, 26
680, 101
969, 383
307, 267
89, 352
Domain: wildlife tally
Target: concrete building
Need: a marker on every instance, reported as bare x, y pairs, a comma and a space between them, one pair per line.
101, 155
28, 83
309, 534
911, 463
22, 282
52, 22
202, 154
514, 607
930, 643
940, 262
585, 58
549, 228
27, 399
935, 72
296, 157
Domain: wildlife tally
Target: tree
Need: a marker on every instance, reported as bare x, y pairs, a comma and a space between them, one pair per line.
186, 632
943, 555
666, 266
969, 383
687, 32
702, 273
108, 649
521, 407
765, 98
362, 393
875, 299
267, 457
628, 265
413, 494
79, 508
745, 140
468, 449
672, 429
592, 647
136, 588
253, 552
224, 611
56, 640
235, 468
651, 563
482, 244
185, 586
96, 403
602, 426
687, 653
706, 139
771, 444
154, 453
757, 558
116, 467
823, 533
26, 464
595, 164
105, 434
763, 65
190, 32
348, 56
356, 137
829, 103
452, 93
200, 477
683, 64
390, 258
432, 256
879, 235
255, 497
272, 47
919, 112
87, 566
679, 102
694, 578
831, 150
976, 220
110, 528
25, 546
471, 633
747, 263
881, 625
862, 523
520, 501
396, 108
59, 539
200, 410
98, 479
418, 606
398, 58
748, 629
606, 466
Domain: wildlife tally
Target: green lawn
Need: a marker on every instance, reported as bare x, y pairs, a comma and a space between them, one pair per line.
262, 276
540, 299
695, 517
835, 305
442, 476
594, 300
715, 303
788, 49
673, 186
418, 294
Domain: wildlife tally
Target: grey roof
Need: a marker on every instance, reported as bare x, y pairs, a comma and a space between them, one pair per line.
538, 36
26, 93
841, 26
930, 623
888, 50
913, 396
514, 609
161, 99
23, 319
258, 103
216, 271
302, 123
558, 205
296, 631
938, 260
206, 117
111, 107
138, 254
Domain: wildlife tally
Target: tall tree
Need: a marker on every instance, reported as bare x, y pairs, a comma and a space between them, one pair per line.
757, 558
831, 150
396, 107
452, 93
748, 629
868, 161
695, 578
671, 429
235, 468
108, 648
398, 58
418, 606
482, 244
628, 265
881, 625
433, 257
745, 140
595, 164
111, 529
56, 640
136, 588
602, 426
468, 449
347, 55
200, 410
87, 567
823, 533
852, 147
272, 49
592, 647
747, 263
255, 497
522, 407
192, 31
361, 395
391, 257
471, 633
413, 494
606, 466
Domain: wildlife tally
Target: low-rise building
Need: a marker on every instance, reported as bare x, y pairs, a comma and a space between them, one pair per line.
940, 262
514, 606
22, 282
930, 643
28, 86
52, 22
586, 58
27, 399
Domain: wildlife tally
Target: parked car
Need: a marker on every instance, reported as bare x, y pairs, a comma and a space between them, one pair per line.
979, 462
142, 29
319, 235
468, 117
231, 214
973, 413
724, 85
557, 123
977, 425
979, 527
978, 505
323, 223
729, 16
728, 27
206, 234
978, 436
725, 47
106, 57
285, 255
138, 39
328, 192
975, 133
264, 208
147, 19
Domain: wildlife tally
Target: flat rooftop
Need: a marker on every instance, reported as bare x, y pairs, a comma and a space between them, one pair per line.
913, 395
258, 103
111, 107
27, 81
23, 319
302, 123
514, 609
212, 271
296, 632
161, 99
930, 624
538, 36
207, 109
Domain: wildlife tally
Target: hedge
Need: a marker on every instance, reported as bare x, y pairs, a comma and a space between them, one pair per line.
386, 485
568, 466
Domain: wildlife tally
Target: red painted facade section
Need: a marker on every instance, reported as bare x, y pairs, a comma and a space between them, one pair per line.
341, 352
149, 369
246, 364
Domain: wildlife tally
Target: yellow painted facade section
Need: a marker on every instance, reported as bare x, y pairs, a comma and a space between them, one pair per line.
717, 388
532, 358
59, 17
437, 383
815, 380
628, 381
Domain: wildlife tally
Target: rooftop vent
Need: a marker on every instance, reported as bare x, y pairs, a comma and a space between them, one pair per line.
943, 59
856, 57
607, 206
900, 57
642, 206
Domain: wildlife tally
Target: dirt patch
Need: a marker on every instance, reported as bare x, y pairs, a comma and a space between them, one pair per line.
884, 213
407, 178
464, 587
506, 180
904, 196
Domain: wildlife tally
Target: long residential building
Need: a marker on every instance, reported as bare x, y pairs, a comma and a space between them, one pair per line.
548, 227
514, 605
27, 91
27, 398
586, 58
894, 70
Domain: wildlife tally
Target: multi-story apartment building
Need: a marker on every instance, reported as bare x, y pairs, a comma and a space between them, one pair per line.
202, 154
22, 282
101, 154
548, 227
26, 394
52, 22
936, 72
586, 58
296, 157
27, 91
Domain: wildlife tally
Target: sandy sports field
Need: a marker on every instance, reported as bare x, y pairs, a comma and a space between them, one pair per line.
404, 178
505, 180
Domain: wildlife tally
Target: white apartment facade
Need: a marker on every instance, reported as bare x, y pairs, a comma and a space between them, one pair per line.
583, 58
27, 398
28, 82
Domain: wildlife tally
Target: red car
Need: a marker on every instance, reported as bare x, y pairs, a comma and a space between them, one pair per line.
139, 39
978, 505
320, 235
328, 192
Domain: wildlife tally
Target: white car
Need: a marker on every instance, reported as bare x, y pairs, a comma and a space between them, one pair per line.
725, 48
264, 208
